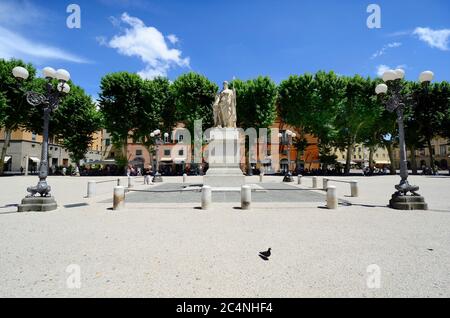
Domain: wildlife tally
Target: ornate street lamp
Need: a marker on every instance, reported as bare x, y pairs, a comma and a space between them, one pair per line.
158, 142
395, 102
49, 102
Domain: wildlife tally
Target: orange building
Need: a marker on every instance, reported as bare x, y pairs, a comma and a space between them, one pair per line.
175, 153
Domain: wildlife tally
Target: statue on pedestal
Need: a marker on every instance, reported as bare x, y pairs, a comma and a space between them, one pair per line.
225, 108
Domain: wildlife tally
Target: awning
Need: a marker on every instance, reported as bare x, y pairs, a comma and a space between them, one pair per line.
35, 160
102, 162
7, 158
166, 159
343, 162
382, 162
180, 160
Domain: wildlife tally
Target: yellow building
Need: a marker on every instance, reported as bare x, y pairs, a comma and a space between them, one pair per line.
24, 151
360, 156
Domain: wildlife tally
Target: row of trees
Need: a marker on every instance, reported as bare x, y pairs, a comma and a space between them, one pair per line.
343, 111
73, 123
340, 111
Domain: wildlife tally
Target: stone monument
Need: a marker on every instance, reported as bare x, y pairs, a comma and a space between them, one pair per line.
224, 156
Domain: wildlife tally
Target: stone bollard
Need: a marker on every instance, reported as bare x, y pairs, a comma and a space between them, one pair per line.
314, 182
261, 177
354, 189
91, 189
130, 182
184, 178
325, 184
332, 200
206, 197
246, 197
299, 179
119, 198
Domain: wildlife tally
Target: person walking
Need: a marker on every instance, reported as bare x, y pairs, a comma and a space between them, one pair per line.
148, 176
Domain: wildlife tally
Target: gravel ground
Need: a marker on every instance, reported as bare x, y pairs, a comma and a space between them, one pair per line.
176, 250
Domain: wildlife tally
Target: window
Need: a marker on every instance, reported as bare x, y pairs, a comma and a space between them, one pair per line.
180, 138
443, 150
107, 142
181, 152
139, 152
33, 136
166, 152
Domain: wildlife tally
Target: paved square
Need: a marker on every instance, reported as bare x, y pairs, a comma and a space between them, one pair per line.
176, 250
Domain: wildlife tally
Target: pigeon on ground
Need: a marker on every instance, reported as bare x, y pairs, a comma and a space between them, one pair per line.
265, 255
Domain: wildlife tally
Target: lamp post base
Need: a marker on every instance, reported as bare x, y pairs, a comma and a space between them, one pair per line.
288, 177
38, 204
408, 202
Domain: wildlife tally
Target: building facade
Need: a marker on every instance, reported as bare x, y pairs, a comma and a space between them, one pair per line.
24, 152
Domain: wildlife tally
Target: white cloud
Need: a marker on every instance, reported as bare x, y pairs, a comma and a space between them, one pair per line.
380, 69
17, 46
434, 38
173, 38
385, 48
18, 13
150, 45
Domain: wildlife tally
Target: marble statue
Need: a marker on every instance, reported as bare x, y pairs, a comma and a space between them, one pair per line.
225, 108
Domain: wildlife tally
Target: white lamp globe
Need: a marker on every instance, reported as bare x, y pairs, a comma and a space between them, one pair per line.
400, 73
64, 88
390, 75
62, 75
381, 89
166, 135
426, 76
152, 135
20, 72
49, 72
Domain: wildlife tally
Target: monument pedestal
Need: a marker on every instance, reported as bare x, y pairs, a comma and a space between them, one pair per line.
224, 158
408, 203
38, 204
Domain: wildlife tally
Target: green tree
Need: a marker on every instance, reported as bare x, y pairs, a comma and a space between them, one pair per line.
295, 99
256, 105
75, 121
430, 111
120, 105
15, 108
356, 115
157, 111
194, 96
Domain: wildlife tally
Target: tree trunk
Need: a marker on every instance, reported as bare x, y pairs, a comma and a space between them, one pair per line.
8, 134
371, 154
412, 150
349, 158
392, 159
430, 149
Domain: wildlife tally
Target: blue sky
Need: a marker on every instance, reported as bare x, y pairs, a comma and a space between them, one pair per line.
223, 39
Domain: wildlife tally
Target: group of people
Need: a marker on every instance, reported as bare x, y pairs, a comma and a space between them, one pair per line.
138, 172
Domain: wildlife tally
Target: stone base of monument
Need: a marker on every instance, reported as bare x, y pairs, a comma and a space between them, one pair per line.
408, 203
224, 159
38, 204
